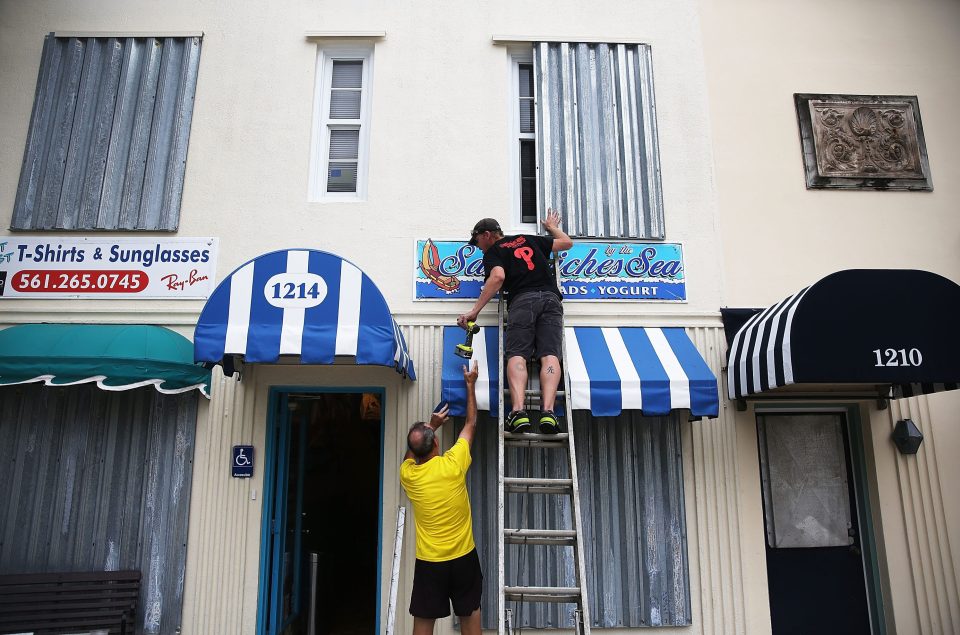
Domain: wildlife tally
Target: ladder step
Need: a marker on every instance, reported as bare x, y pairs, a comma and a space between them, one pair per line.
538, 485
559, 440
542, 594
558, 537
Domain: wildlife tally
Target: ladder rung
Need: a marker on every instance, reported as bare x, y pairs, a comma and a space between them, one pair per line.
557, 537
538, 485
558, 440
542, 594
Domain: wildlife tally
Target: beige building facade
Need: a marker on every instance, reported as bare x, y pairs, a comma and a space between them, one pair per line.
433, 139
780, 237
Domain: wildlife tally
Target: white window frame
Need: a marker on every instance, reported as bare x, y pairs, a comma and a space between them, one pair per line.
323, 124
518, 56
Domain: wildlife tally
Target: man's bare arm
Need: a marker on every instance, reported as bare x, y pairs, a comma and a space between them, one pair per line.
470, 422
490, 288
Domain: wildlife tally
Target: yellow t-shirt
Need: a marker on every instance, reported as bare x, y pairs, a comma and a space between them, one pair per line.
441, 507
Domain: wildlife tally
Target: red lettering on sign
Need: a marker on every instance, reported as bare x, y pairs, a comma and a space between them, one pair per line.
174, 283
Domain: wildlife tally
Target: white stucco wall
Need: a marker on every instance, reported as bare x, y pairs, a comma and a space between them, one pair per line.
779, 237
440, 145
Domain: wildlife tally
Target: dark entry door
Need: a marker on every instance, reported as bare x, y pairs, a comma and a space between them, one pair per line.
815, 565
323, 551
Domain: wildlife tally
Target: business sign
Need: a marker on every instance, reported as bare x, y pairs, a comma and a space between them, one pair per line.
242, 461
79, 267
453, 270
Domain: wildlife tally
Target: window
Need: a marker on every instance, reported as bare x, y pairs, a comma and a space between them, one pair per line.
806, 493
342, 124
107, 143
594, 141
524, 131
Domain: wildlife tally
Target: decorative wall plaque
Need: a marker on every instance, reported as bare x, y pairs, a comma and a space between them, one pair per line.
863, 142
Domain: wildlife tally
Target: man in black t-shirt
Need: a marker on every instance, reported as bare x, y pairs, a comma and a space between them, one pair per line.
520, 266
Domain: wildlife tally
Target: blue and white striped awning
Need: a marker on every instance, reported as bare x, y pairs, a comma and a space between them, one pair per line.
300, 302
654, 370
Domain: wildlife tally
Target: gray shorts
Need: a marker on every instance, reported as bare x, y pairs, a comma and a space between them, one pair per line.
534, 326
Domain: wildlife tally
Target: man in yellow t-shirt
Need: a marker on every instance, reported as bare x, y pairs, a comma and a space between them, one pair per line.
448, 568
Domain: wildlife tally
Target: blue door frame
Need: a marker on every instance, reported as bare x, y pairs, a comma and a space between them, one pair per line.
274, 528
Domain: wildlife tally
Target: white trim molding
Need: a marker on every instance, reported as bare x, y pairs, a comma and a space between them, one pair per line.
359, 35
512, 39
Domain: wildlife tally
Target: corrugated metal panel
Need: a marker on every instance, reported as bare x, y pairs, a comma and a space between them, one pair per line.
102, 481
107, 145
631, 482
716, 524
221, 591
934, 579
598, 160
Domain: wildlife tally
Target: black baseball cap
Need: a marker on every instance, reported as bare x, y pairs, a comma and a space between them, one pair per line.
484, 225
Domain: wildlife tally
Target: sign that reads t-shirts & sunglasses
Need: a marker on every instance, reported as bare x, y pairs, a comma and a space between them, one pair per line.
621, 271
81, 267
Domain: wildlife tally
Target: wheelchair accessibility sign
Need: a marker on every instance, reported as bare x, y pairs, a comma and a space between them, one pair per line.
242, 461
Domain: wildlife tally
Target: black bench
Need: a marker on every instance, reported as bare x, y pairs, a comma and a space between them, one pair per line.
69, 602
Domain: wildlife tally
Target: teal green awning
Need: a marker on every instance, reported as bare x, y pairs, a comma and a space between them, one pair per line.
115, 356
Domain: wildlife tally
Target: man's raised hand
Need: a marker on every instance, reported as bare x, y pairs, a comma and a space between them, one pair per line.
439, 417
552, 220
471, 376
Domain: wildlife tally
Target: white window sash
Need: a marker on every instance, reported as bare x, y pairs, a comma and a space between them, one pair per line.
323, 124
517, 56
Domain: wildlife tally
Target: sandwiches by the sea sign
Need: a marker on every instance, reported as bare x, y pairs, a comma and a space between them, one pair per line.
630, 271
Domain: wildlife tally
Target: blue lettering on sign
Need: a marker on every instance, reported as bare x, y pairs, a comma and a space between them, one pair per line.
456, 263
589, 271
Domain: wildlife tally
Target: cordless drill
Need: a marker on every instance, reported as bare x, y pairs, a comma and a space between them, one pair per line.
465, 350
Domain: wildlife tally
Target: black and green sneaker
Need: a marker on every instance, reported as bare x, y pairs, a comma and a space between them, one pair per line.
548, 423
517, 421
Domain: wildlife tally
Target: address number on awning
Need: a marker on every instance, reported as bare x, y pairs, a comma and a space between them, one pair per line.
295, 290
898, 357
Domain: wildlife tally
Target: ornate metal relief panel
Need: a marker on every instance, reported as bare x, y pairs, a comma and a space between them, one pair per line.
863, 142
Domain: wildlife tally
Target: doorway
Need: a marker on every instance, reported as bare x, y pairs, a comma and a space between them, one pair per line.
819, 547
320, 555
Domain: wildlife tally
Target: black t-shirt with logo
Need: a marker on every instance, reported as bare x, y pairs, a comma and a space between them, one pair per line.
525, 262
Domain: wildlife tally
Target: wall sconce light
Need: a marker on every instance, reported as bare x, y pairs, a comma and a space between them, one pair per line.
907, 436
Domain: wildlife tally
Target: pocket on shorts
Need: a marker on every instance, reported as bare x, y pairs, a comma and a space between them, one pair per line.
552, 311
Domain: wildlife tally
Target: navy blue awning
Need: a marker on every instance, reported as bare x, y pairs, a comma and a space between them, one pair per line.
300, 302
653, 370
886, 327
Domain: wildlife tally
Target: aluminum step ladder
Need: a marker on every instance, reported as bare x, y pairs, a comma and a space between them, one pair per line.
522, 486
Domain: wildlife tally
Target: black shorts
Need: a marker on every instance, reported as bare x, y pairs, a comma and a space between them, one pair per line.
437, 584
534, 326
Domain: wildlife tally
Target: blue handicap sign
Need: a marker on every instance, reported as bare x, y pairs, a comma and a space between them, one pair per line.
242, 461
